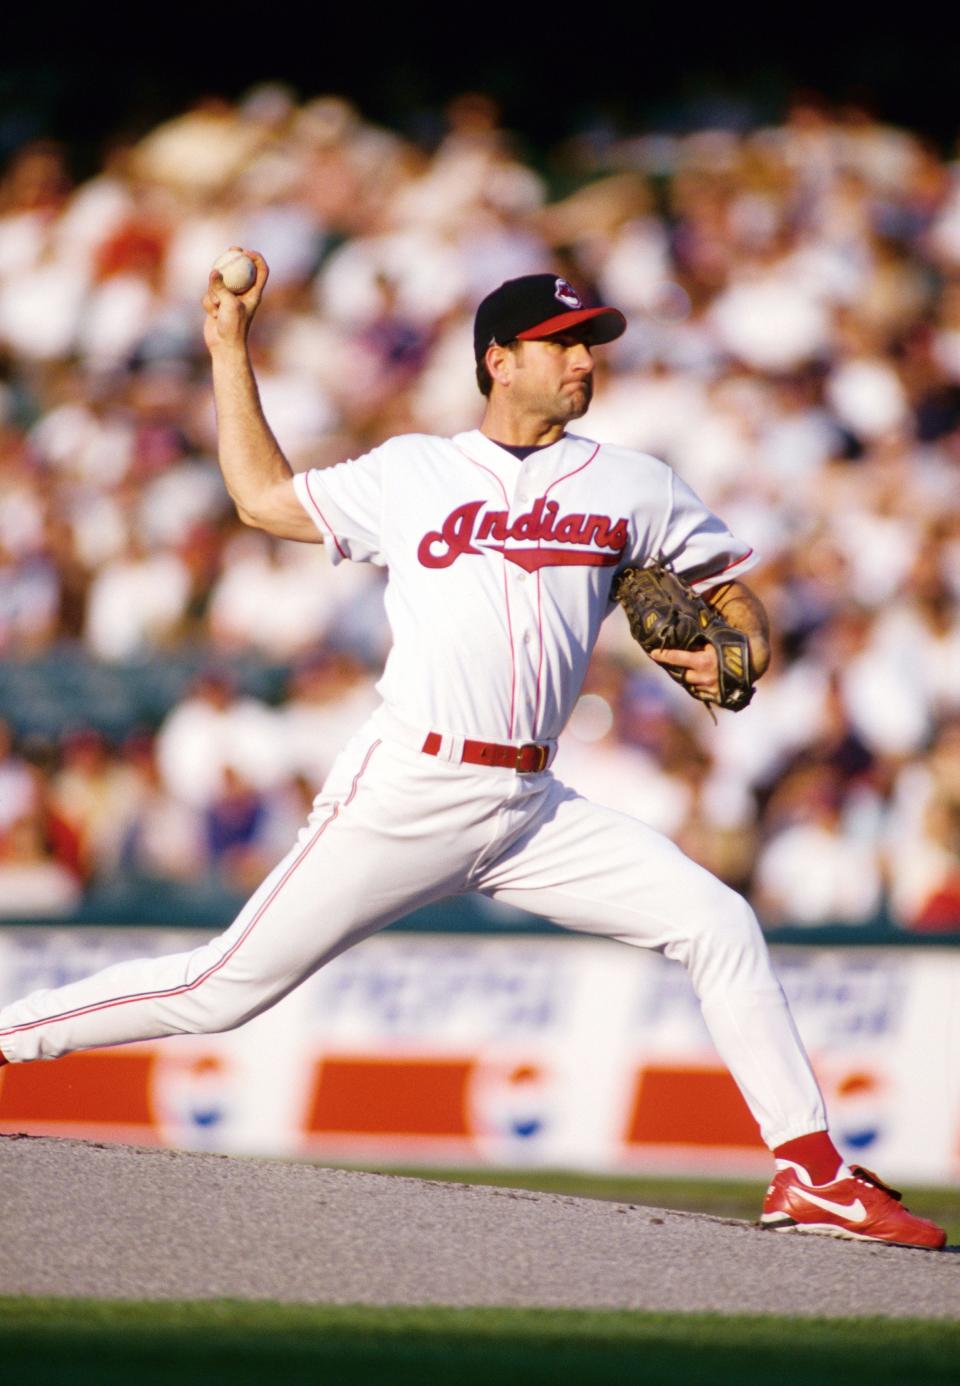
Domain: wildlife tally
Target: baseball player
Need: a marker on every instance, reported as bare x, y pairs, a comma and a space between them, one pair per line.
502, 545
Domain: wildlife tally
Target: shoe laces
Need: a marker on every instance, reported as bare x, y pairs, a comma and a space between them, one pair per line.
869, 1177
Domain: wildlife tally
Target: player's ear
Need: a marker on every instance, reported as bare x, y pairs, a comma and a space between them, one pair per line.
501, 363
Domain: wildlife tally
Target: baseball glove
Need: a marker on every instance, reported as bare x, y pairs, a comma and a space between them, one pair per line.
665, 613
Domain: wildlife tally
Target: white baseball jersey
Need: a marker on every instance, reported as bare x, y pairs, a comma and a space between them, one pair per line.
500, 574
500, 570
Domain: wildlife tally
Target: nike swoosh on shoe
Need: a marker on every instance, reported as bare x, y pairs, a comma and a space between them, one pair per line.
855, 1211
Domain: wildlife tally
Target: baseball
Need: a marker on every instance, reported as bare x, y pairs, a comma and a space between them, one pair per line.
237, 270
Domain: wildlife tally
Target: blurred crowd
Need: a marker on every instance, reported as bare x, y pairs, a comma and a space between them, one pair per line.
793, 293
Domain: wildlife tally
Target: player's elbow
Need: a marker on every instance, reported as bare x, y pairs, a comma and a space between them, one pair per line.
276, 510
248, 517
255, 507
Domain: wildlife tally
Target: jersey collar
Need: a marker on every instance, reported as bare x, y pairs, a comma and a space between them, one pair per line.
483, 449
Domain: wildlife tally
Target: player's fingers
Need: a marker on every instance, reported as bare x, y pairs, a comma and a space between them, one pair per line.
216, 285
250, 299
687, 659
254, 294
263, 269
217, 294
699, 666
226, 309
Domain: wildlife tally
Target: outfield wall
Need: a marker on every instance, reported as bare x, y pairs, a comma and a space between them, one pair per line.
506, 1050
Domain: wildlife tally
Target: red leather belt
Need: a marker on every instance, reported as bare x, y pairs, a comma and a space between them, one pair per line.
526, 760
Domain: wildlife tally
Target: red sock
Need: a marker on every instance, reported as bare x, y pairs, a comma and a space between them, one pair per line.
816, 1152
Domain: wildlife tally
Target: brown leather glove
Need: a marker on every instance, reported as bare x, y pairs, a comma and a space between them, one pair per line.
665, 613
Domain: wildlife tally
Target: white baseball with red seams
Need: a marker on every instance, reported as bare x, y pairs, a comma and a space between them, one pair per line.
499, 578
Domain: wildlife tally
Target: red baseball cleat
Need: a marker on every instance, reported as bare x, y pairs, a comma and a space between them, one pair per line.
859, 1206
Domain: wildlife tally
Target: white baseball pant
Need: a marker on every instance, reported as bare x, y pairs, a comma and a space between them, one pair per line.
394, 829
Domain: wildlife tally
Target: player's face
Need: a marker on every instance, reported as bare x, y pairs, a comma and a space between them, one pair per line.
553, 377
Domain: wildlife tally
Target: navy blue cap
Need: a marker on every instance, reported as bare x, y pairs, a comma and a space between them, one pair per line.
535, 306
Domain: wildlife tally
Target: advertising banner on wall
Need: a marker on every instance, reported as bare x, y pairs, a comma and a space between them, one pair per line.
564, 1052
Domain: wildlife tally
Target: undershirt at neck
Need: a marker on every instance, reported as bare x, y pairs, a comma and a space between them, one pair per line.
522, 452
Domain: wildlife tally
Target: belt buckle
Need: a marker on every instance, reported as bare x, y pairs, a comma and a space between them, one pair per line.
541, 756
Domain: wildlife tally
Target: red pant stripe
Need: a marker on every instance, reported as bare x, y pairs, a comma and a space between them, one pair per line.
211, 971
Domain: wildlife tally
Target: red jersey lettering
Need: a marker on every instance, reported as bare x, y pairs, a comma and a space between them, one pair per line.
457, 533
570, 529
465, 528
493, 525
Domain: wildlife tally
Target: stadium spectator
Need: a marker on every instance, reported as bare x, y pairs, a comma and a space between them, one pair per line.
91, 794
32, 880
212, 730
18, 788
161, 837
815, 869
329, 697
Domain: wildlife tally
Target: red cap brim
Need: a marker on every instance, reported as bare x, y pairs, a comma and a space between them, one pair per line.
613, 326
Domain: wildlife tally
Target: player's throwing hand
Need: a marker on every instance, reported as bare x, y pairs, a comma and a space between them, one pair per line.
229, 315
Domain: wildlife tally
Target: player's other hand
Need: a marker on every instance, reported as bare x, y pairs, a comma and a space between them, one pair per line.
700, 668
228, 316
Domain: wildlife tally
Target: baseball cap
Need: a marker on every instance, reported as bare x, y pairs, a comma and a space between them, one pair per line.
537, 305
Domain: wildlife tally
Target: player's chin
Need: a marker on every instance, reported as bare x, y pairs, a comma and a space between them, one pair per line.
577, 401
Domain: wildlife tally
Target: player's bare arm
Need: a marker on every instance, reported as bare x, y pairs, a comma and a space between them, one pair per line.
256, 473
741, 606
743, 609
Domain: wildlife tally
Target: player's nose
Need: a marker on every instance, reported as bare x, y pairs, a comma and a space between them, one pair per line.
580, 358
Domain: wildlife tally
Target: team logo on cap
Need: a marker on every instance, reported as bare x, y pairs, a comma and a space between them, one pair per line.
567, 294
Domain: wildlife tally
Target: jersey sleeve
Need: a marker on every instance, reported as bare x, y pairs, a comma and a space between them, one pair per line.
697, 544
345, 503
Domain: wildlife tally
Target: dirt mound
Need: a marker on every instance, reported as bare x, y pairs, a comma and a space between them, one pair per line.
119, 1222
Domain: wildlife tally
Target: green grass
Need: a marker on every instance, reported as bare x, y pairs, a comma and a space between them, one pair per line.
224, 1343
721, 1198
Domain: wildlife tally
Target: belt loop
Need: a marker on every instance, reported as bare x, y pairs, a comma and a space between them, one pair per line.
443, 747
